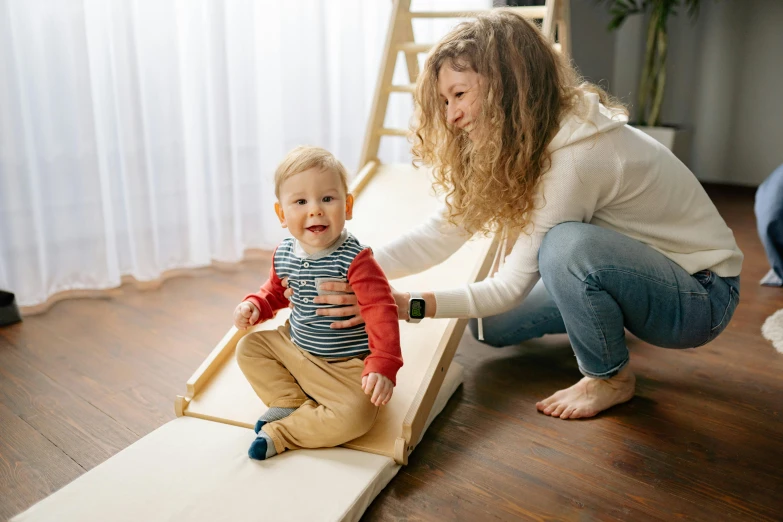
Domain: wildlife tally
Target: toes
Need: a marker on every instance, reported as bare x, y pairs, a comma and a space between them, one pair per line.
542, 405
548, 404
558, 410
257, 449
577, 414
568, 413
583, 413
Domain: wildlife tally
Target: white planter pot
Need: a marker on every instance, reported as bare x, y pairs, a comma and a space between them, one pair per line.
676, 140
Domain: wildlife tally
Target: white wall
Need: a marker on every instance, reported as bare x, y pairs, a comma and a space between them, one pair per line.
593, 46
724, 79
757, 132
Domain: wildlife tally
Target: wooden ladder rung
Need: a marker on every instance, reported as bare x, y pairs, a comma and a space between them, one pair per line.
529, 12
408, 87
385, 131
413, 47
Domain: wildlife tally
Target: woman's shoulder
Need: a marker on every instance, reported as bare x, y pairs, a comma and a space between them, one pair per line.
588, 121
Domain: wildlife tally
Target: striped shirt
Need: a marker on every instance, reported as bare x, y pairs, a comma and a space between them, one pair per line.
305, 273
346, 260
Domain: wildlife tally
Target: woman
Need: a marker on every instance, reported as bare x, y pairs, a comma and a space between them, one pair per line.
619, 232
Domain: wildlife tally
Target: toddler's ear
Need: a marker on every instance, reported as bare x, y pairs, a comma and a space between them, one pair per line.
280, 214
348, 206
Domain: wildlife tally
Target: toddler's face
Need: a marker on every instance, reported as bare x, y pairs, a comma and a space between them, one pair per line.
460, 92
314, 206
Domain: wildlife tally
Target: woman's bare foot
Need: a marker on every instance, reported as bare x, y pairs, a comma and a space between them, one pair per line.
590, 396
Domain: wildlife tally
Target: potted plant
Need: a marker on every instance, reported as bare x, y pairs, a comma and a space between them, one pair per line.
652, 83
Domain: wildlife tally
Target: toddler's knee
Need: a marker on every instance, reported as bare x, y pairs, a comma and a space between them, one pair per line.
243, 352
353, 421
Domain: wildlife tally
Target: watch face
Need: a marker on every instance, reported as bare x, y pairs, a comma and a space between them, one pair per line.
417, 309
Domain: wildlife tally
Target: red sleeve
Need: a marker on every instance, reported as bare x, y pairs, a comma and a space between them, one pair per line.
269, 299
379, 311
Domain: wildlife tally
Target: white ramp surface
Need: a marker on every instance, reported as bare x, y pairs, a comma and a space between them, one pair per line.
196, 470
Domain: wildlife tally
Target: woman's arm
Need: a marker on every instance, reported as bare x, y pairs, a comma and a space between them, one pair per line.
425, 246
563, 197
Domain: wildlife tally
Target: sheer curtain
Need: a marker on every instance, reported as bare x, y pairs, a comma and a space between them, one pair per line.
140, 136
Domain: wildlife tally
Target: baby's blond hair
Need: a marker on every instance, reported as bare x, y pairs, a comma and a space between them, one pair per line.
304, 158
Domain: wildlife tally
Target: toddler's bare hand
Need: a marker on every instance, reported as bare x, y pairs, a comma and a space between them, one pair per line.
245, 315
379, 386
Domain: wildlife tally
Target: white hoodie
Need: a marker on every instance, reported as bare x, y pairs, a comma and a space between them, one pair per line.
603, 172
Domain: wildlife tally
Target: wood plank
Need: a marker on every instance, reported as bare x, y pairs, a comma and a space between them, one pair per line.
31, 467
100, 363
79, 429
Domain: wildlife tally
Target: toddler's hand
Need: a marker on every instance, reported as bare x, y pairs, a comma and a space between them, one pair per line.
245, 314
380, 386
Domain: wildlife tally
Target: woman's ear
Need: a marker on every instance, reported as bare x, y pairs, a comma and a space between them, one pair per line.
348, 206
280, 214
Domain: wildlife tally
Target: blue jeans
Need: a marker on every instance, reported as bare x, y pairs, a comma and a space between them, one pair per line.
769, 221
595, 283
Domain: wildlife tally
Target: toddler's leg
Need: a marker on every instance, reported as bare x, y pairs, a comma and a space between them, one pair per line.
338, 413
268, 358
264, 358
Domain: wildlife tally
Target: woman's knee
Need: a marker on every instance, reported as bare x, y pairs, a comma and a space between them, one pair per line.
561, 242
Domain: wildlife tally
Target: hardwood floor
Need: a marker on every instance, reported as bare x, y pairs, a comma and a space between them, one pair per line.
702, 440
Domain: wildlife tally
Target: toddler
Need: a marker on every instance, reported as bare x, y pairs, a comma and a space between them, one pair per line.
315, 379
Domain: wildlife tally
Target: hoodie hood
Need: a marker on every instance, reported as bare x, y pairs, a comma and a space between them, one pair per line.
588, 119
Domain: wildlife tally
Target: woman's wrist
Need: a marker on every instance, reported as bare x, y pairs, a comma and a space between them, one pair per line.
403, 300
430, 304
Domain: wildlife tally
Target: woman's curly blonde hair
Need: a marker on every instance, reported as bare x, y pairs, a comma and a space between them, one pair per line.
527, 87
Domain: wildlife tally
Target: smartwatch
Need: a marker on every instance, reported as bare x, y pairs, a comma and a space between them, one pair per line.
415, 308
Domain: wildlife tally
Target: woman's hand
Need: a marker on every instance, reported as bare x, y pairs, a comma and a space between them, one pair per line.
348, 302
346, 299
245, 314
379, 386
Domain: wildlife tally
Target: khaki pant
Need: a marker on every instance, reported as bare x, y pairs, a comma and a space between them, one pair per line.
331, 407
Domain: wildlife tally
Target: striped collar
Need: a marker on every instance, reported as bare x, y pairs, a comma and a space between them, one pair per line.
299, 252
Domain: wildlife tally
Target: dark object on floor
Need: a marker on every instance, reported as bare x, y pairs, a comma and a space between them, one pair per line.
9, 313
769, 221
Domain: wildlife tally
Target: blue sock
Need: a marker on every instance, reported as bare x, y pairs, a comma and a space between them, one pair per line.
273, 414
262, 448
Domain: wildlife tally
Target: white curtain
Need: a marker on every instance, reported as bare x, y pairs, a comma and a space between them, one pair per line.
140, 136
